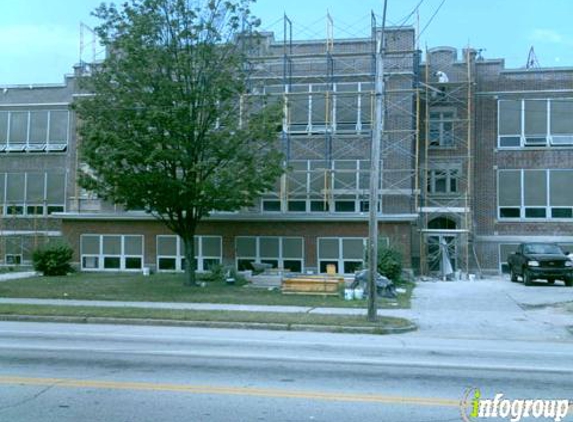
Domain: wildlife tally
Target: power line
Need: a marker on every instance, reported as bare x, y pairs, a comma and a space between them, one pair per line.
431, 19
405, 20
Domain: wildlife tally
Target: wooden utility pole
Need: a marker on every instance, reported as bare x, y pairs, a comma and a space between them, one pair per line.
375, 170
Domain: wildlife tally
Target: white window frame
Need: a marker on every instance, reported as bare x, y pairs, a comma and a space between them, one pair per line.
48, 146
440, 121
550, 139
340, 261
122, 255
522, 207
47, 207
257, 258
179, 256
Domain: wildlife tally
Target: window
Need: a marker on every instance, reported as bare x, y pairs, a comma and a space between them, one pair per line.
346, 254
298, 108
535, 123
280, 252
443, 181
171, 252
111, 252
342, 187
32, 193
346, 109
34, 130
561, 122
441, 129
535, 194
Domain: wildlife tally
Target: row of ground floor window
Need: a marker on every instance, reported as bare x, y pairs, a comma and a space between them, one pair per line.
126, 253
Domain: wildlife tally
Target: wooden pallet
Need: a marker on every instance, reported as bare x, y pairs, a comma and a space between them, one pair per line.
317, 285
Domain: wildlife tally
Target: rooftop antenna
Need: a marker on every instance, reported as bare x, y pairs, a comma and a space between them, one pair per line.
87, 32
532, 62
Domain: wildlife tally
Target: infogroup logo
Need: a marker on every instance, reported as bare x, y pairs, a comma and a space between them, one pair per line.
474, 407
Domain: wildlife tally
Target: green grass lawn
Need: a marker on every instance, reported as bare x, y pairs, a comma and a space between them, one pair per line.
169, 288
282, 319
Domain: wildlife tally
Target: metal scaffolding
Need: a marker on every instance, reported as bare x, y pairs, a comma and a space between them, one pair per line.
446, 163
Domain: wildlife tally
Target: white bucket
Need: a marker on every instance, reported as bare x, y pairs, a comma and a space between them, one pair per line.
348, 294
146, 271
358, 294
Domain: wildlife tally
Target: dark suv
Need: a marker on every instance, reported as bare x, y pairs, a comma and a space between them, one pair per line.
540, 261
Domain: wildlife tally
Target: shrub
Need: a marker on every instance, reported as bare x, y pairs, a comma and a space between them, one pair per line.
389, 262
53, 260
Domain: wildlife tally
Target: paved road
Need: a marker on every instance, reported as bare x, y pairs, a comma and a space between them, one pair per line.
64, 372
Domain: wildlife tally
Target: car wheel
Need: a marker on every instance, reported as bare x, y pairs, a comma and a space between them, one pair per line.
526, 278
512, 275
551, 281
569, 281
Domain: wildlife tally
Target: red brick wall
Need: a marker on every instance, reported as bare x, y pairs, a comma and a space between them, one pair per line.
398, 233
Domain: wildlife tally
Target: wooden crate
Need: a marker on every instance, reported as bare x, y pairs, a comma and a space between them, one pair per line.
312, 285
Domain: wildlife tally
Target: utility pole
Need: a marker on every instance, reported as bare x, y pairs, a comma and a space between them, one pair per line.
375, 170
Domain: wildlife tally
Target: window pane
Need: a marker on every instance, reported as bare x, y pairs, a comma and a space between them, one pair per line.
15, 187
509, 213
274, 206
328, 248
292, 247
133, 245
352, 249
319, 105
18, 127
111, 263
509, 188
2, 186
167, 245
90, 245
56, 188
59, 126
211, 246
3, 127
509, 117
561, 193
346, 111
344, 206
133, 263
535, 213
561, 213
298, 107
535, 117
246, 246
38, 126
35, 188
167, 263
297, 206
269, 247
561, 117
535, 185
294, 266
111, 245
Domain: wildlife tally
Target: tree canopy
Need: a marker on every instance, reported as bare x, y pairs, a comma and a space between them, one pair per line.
167, 124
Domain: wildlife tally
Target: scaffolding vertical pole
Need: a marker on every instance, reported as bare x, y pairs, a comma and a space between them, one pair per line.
469, 162
375, 169
287, 77
423, 253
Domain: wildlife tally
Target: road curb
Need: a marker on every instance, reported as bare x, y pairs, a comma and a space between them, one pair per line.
211, 324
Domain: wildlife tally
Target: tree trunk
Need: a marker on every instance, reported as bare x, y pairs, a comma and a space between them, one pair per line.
190, 265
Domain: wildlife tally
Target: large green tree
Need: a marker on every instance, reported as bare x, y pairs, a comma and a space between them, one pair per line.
166, 125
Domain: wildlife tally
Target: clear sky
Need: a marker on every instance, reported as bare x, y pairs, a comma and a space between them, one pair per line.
40, 39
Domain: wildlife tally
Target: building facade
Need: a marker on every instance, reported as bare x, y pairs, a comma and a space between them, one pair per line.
474, 156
